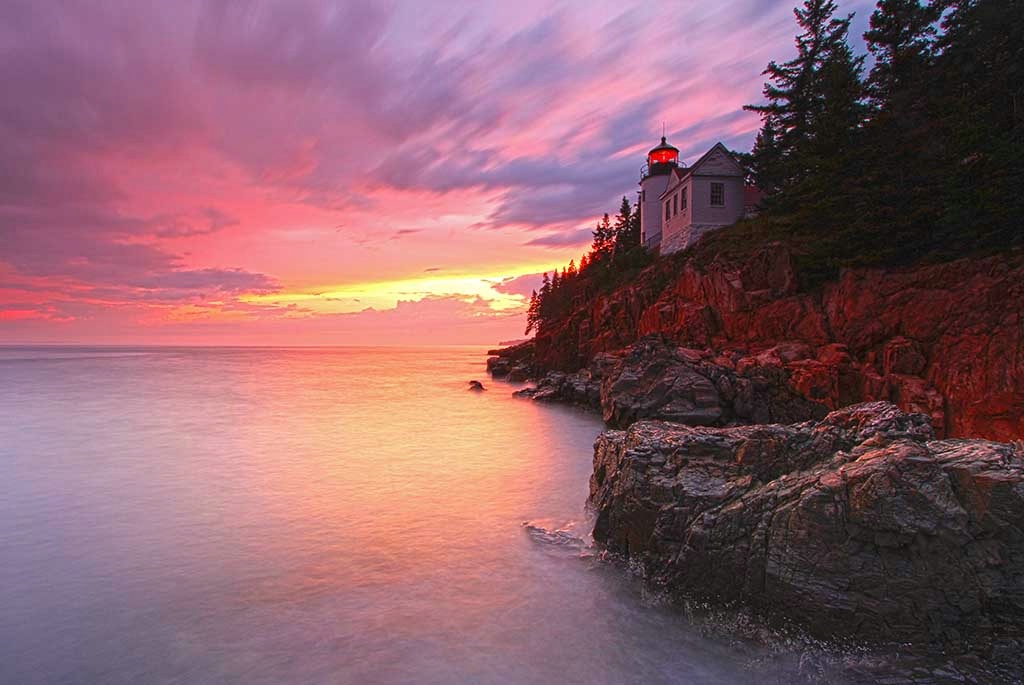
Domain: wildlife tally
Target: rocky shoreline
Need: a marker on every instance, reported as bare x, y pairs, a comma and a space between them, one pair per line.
724, 485
861, 525
653, 379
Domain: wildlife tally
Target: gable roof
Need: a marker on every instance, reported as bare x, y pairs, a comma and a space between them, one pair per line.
679, 174
675, 179
707, 155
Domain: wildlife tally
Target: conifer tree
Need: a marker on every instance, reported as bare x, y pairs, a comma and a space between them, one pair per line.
898, 166
901, 39
626, 228
634, 227
813, 102
531, 313
766, 159
604, 239
977, 110
545, 287
544, 299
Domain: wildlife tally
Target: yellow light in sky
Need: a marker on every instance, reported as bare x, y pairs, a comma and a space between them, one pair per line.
354, 297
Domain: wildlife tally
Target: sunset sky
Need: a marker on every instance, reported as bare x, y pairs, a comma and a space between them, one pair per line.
339, 173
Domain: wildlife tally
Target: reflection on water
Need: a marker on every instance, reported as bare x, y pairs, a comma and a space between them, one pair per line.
312, 515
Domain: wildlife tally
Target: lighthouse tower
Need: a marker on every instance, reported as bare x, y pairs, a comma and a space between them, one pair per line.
654, 178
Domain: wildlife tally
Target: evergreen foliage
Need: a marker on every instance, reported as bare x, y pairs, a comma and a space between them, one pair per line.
615, 256
922, 160
814, 106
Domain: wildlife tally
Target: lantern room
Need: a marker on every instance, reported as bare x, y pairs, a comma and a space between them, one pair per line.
661, 160
663, 154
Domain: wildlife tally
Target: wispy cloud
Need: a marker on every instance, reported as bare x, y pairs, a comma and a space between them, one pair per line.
165, 161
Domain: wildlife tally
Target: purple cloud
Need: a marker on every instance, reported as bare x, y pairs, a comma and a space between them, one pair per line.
203, 222
520, 285
578, 236
134, 136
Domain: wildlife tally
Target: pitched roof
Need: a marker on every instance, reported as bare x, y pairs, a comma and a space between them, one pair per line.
680, 173
675, 178
724, 149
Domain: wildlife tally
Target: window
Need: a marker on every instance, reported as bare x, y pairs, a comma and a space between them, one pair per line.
717, 194
682, 199
668, 210
675, 204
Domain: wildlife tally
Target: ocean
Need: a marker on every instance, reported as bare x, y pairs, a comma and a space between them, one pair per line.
305, 515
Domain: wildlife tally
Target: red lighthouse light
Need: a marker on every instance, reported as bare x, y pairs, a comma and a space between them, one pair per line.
663, 154
661, 160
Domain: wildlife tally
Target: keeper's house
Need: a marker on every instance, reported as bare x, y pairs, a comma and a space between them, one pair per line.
679, 204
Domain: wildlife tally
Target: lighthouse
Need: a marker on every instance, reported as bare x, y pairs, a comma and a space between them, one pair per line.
654, 178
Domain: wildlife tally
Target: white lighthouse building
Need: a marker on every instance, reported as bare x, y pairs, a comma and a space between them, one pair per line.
654, 177
679, 204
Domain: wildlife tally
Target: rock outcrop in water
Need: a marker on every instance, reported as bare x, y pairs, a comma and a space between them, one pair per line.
656, 380
946, 340
861, 524
515, 363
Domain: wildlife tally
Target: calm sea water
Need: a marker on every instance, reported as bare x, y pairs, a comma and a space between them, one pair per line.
215, 515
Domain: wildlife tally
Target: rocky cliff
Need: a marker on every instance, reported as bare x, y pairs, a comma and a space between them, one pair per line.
794, 463
861, 524
946, 340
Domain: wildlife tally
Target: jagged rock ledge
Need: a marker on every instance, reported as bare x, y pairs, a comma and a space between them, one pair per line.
581, 388
654, 379
513, 363
859, 525
941, 339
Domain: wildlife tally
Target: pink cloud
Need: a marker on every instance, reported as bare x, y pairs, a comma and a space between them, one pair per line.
172, 159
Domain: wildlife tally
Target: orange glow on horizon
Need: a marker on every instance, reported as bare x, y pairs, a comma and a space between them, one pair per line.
224, 193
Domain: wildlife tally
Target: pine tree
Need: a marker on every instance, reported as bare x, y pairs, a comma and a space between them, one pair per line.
814, 102
531, 313
840, 109
977, 113
634, 227
766, 159
901, 39
544, 302
626, 228
601, 269
898, 165
604, 239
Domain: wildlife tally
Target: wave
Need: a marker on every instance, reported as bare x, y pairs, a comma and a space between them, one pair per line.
565, 537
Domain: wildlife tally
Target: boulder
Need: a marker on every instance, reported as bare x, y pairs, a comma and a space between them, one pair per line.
579, 388
516, 362
498, 367
656, 380
653, 381
518, 374
860, 525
